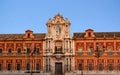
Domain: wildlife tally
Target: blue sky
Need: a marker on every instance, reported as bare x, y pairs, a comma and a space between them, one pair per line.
16, 16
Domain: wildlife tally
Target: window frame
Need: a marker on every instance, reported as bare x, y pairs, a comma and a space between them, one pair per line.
18, 68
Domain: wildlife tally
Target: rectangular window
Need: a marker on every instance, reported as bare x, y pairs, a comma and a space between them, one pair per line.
18, 67
0, 67
110, 67
19, 51
100, 67
80, 67
37, 66
28, 51
9, 67
119, 67
0, 51
27, 66
37, 51
9, 51
90, 67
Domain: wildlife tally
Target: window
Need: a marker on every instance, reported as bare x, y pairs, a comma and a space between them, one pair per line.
90, 51
37, 51
37, 66
0, 67
28, 35
119, 67
80, 51
57, 29
100, 67
90, 67
110, 49
118, 50
89, 34
0, 51
58, 50
19, 51
110, 67
28, 66
9, 67
9, 51
80, 67
28, 51
18, 67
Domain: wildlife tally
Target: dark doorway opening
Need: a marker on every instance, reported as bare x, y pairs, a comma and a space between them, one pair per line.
58, 68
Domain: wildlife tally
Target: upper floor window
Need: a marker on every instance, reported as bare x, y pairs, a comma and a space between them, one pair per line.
0, 51
9, 51
28, 51
118, 50
110, 49
90, 49
58, 29
37, 51
58, 50
89, 34
19, 51
80, 49
28, 35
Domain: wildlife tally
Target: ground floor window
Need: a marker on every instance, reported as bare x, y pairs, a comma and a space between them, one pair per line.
0, 67
37, 66
80, 67
90, 67
100, 67
110, 67
18, 67
119, 67
9, 67
28, 66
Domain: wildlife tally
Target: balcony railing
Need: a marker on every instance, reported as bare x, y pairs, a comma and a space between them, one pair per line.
58, 52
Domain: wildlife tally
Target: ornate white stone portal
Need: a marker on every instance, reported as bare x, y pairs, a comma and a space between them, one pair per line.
58, 49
